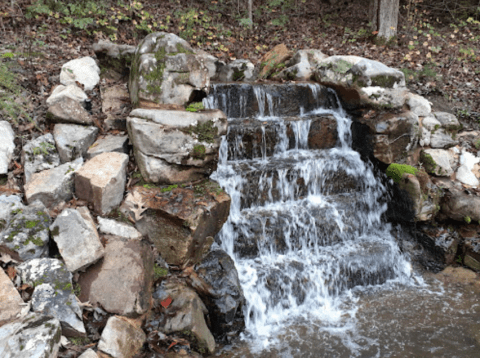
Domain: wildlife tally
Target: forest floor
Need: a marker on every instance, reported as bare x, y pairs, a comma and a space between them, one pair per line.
437, 48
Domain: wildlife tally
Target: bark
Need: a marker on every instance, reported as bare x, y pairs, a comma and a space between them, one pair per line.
384, 17
250, 11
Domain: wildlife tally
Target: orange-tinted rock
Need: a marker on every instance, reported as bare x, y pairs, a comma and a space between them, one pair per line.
274, 59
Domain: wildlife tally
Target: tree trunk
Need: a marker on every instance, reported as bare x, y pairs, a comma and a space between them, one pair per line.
384, 17
250, 11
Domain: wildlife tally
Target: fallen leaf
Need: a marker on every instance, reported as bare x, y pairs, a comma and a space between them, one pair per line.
166, 302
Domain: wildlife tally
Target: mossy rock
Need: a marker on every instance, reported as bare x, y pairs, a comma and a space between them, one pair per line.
395, 171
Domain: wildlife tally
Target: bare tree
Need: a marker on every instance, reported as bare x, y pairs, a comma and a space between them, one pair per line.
384, 17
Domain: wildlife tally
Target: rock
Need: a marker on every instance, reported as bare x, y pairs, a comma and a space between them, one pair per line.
165, 70
178, 139
437, 162
209, 61
274, 60
459, 206
221, 292
38, 155
442, 243
7, 146
431, 123
53, 293
442, 139
89, 353
73, 140
109, 143
67, 110
115, 60
465, 173
121, 338
9, 207
11, 304
418, 105
185, 314
377, 97
101, 181
34, 336
302, 65
425, 202
447, 120
27, 233
83, 70
425, 138
181, 222
471, 249
115, 100
121, 283
53, 186
77, 238
71, 91
237, 70
113, 227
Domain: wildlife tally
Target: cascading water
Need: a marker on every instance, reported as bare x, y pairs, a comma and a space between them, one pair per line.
305, 225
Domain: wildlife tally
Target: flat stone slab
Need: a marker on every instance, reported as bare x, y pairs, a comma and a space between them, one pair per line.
27, 233
116, 228
53, 186
77, 238
38, 155
83, 70
71, 91
11, 304
73, 140
101, 181
7, 146
67, 110
53, 293
109, 143
121, 282
34, 336
121, 338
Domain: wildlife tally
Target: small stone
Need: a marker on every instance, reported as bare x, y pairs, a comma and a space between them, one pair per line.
53, 186
431, 123
11, 304
7, 146
448, 120
419, 105
113, 227
89, 353
83, 70
71, 91
442, 139
465, 172
73, 140
121, 338
67, 110
77, 238
437, 162
38, 155
109, 143
101, 181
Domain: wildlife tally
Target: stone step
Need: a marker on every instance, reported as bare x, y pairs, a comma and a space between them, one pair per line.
243, 100
252, 138
286, 178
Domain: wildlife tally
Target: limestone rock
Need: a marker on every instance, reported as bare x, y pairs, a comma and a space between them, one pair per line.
181, 222
71, 91
442, 139
447, 120
34, 336
237, 70
101, 181
437, 162
83, 70
376, 96
114, 59
11, 304
7, 146
274, 60
178, 141
77, 238
465, 172
113, 227
209, 61
431, 123
38, 155
165, 70
121, 338
67, 110
9, 207
302, 65
425, 138
53, 186
89, 353
121, 283
109, 143
27, 233
53, 293
185, 314
419, 105
73, 140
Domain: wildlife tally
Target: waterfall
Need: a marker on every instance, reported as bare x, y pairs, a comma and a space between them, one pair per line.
305, 228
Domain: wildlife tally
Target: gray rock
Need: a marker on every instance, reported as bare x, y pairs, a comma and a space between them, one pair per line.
101, 181
448, 120
393, 98
27, 233
114, 99
9, 206
83, 70
121, 338
53, 186
302, 65
442, 139
7, 146
77, 239
437, 162
71, 91
34, 336
89, 353
458, 205
113, 227
166, 70
114, 59
67, 110
431, 123
73, 140
38, 155
425, 138
53, 293
11, 304
121, 282
109, 143
209, 61
418, 105
237, 70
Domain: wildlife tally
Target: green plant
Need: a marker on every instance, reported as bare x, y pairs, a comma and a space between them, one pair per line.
467, 219
159, 272
195, 107
43, 149
395, 171
169, 188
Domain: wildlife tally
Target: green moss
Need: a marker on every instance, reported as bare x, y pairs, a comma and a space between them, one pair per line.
205, 131
238, 75
30, 224
80, 341
34, 240
467, 219
16, 211
68, 286
181, 49
159, 272
428, 162
155, 77
341, 66
396, 171
195, 107
11, 236
199, 152
383, 81
55, 231
169, 188
3, 224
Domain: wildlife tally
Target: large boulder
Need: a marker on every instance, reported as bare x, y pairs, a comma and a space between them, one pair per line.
83, 70
165, 70
302, 65
176, 146
114, 60
71, 91
181, 222
6, 146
